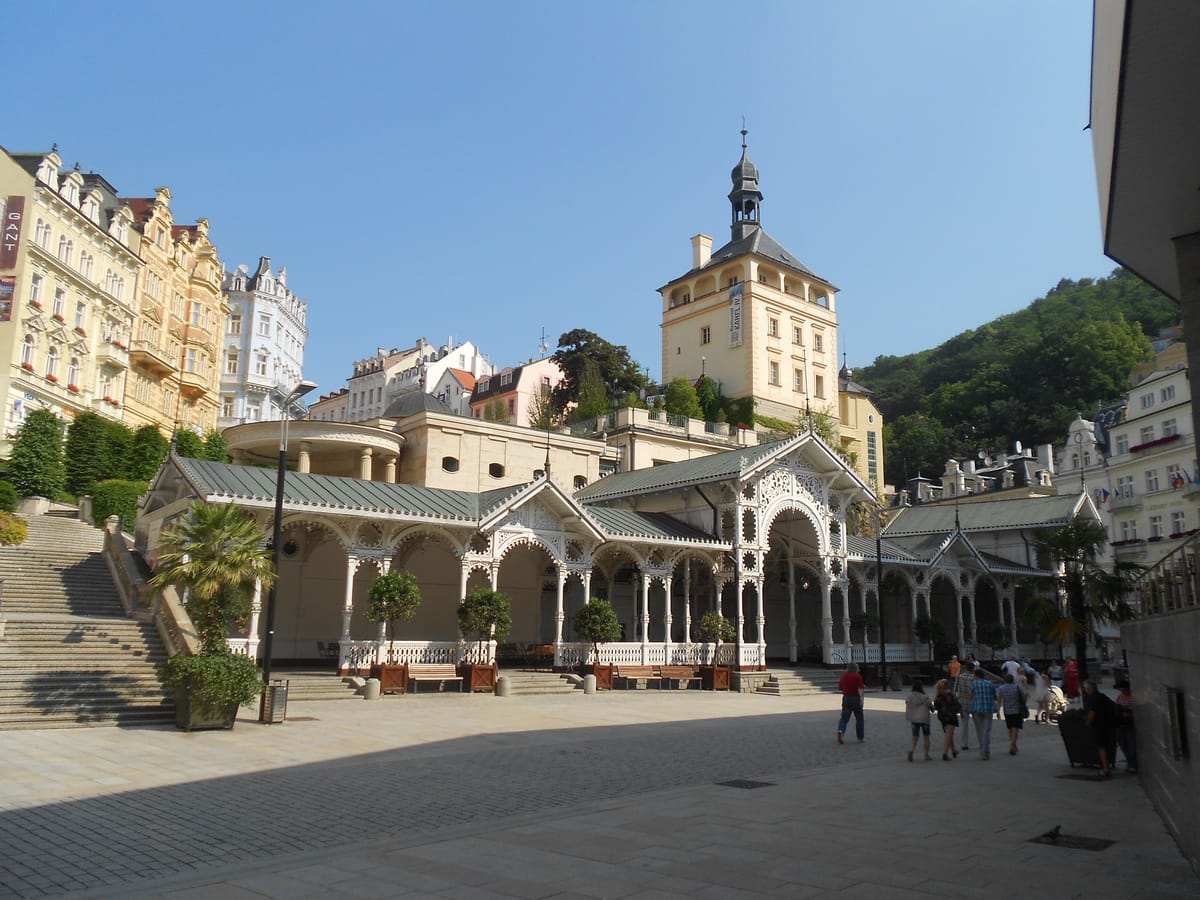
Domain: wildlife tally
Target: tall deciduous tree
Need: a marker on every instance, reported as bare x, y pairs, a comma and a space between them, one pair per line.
146, 453
617, 371
36, 466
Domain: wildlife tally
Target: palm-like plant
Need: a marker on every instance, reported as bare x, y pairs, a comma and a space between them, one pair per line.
217, 554
1093, 593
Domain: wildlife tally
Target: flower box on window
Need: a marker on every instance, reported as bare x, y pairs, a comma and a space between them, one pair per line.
36, 304
1138, 448
112, 401
58, 317
28, 367
119, 345
73, 388
79, 330
52, 378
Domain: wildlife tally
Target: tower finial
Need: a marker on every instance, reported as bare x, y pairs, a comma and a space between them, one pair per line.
744, 132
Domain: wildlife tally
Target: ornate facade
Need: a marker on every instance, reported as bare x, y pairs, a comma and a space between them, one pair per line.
262, 349
69, 283
174, 374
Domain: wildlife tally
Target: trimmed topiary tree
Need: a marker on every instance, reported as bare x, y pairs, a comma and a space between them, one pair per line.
36, 465
597, 624
394, 597
8, 497
485, 614
116, 498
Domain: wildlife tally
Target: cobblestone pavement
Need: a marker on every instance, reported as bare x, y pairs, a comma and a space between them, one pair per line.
608, 796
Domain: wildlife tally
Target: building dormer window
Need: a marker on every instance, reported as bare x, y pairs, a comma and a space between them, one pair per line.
505, 378
72, 193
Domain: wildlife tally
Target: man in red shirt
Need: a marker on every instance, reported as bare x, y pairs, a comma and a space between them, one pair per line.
852, 687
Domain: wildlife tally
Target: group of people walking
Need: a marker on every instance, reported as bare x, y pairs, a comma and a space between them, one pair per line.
969, 697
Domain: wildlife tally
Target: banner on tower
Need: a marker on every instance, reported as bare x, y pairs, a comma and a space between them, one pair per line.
10, 235
735, 315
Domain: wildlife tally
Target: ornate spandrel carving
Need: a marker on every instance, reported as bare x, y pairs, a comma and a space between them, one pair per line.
537, 517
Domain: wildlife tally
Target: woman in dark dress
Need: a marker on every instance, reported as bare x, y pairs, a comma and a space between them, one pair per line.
947, 707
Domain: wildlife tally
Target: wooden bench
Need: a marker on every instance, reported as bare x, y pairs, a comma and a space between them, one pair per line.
685, 675
437, 672
637, 674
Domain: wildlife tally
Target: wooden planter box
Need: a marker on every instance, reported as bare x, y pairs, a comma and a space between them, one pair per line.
479, 678
192, 716
603, 673
716, 678
392, 679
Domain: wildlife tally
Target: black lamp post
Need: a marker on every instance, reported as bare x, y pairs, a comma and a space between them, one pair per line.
879, 598
297, 392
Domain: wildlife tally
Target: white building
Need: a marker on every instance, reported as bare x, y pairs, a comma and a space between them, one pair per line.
263, 346
1153, 482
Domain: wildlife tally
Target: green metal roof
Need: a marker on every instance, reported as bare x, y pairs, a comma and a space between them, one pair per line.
331, 492
985, 515
646, 526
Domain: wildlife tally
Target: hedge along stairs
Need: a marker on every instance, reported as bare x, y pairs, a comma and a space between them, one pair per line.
69, 655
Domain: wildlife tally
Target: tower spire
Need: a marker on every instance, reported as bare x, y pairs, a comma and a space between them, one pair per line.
745, 196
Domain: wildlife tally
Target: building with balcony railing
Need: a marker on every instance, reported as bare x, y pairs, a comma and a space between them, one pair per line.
69, 269
262, 347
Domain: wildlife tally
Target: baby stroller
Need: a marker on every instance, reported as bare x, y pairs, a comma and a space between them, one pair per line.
1056, 704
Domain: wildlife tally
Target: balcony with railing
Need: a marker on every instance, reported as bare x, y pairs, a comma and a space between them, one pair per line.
1131, 501
1173, 583
113, 353
193, 384
663, 422
151, 357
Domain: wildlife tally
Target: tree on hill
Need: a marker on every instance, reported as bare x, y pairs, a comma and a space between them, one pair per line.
1023, 376
619, 374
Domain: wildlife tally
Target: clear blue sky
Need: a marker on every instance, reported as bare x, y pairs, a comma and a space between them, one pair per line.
489, 170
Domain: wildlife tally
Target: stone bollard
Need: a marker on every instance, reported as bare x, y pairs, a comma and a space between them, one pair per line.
589, 684
371, 689
502, 686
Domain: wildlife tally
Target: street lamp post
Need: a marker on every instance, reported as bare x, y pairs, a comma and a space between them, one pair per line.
879, 598
277, 539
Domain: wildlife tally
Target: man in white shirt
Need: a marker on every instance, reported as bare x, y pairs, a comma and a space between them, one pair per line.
1011, 666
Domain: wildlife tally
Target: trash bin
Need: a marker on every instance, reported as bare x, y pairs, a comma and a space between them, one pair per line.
371, 689
589, 684
896, 680
502, 686
274, 710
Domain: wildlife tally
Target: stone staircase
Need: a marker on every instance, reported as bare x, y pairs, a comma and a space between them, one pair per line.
800, 681
526, 682
69, 655
317, 684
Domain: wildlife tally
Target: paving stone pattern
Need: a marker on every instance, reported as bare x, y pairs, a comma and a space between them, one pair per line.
553, 797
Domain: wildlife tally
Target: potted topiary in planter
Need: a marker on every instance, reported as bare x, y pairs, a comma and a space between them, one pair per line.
715, 629
483, 613
597, 624
216, 555
394, 598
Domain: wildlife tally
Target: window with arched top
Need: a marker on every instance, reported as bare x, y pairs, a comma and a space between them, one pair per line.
73, 371
52, 362
28, 348
580, 482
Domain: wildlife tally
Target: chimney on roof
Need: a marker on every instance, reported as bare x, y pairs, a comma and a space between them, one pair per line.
701, 250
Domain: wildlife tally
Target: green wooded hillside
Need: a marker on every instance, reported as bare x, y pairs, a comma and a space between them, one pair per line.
1021, 377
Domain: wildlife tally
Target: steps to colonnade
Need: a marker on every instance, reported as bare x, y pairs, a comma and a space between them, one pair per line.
69, 655
800, 681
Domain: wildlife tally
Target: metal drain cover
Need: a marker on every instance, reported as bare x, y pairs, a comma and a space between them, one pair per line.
745, 784
1072, 842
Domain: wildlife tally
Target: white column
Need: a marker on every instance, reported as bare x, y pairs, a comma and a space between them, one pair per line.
826, 618
760, 587
364, 463
495, 573
347, 608
559, 615
255, 612
687, 603
390, 469
740, 624
793, 650
667, 618
1012, 621
974, 618
958, 621
302, 460
464, 576
645, 619
844, 584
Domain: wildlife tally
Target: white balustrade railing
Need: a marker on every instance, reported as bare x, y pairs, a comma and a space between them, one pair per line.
240, 646
364, 654
636, 653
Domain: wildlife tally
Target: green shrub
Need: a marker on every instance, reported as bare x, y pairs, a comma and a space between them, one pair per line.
8, 497
596, 622
116, 498
220, 679
13, 530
